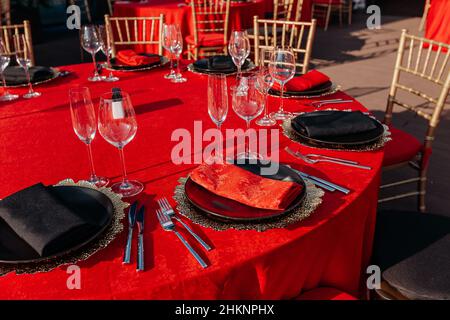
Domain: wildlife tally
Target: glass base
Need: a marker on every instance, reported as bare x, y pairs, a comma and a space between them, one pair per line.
266, 121
96, 78
281, 115
111, 78
170, 75
128, 189
9, 97
178, 79
99, 181
30, 95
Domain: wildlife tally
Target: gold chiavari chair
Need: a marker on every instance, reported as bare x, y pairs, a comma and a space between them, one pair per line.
5, 12
7, 35
324, 8
425, 14
125, 31
85, 9
422, 60
297, 35
111, 7
210, 19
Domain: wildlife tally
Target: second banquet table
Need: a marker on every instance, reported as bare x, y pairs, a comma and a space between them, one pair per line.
330, 248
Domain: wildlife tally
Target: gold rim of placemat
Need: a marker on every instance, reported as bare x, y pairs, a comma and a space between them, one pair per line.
85, 252
312, 200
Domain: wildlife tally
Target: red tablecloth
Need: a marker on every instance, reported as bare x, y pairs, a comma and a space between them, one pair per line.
438, 21
331, 248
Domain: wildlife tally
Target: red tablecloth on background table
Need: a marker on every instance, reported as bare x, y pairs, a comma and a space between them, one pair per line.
331, 248
438, 21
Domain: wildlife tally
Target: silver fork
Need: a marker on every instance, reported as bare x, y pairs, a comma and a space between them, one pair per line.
168, 225
313, 161
168, 211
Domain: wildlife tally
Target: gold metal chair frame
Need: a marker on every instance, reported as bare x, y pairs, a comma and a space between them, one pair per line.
202, 10
425, 15
292, 35
132, 37
326, 9
435, 70
5, 12
8, 32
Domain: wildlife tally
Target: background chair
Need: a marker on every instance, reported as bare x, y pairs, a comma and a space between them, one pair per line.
297, 35
8, 32
425, 15
126, 31
111, 7
210, 19
5, 12
84, 6
422, 60
412, 250
324, 8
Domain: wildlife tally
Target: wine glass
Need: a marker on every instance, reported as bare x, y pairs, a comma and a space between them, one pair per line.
282, 69
168, 33
217, 106
85, 126
264, 81
23, 57
5, 59
239, 49
247, 105
117, 125
176, 48
107, 50
92, 43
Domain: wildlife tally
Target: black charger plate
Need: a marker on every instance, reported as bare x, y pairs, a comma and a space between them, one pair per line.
201, 66
55, 73
117, 66
89, 204
229, 210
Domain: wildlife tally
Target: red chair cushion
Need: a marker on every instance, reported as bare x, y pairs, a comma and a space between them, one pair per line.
401, 148
325, 293
207, 40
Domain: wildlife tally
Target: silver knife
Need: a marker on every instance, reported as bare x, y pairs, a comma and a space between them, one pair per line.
317, 183
131, 223
140, 223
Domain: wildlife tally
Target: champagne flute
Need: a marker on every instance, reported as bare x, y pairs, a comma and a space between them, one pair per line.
91, 42
117, 124
239, 49
247, 105
107, 50
85, 126
265, 82
177, 48
217, 102
282, 69
5, 59
168, 33
23, 57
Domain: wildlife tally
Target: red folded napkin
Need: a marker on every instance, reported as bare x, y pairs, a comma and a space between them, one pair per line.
232, 182
301, 83
131, 58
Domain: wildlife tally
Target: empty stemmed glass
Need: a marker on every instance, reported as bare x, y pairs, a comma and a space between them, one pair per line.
92, 43
5, 59
282, 69
176, 48
107, 50
117, 124
264, 81
247, 105
239, 49
168, 33
23, 57
85, 126
217, 102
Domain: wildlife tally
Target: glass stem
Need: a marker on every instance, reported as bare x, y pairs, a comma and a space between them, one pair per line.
266, 103
5, 92
124, 170
178, 65
30, 86
171, 62
247, 143
95, 65
93, 176
281, 97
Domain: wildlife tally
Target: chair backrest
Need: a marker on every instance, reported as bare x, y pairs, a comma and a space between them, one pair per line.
210, 16
7, 35
110, 7
282, 9
298, 10
5, 12
423, 59
123, 31
84, 6
297, 35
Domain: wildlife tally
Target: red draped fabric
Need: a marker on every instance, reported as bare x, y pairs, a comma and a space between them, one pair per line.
331, 248
438, 21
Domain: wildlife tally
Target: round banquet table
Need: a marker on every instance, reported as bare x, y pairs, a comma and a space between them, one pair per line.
330, 248
438, 21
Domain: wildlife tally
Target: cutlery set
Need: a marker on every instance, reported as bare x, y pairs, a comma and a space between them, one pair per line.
135, 216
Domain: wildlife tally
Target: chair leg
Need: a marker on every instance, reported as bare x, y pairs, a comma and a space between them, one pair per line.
422, 190
327, 20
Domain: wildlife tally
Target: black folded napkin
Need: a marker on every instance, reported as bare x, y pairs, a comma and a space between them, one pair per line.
219, 63
16, 75
332, 123
39, 218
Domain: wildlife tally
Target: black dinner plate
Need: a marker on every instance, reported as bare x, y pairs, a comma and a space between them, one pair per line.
89, 204
336, 142
116, 65
54, 73
229, 210
202, 66
317, 90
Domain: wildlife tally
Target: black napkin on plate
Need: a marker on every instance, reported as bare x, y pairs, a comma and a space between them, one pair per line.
16, 75
39, 218
332, 123
218, 63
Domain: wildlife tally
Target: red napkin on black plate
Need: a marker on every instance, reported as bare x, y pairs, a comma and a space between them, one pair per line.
131, 58
232, 182
307, 81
